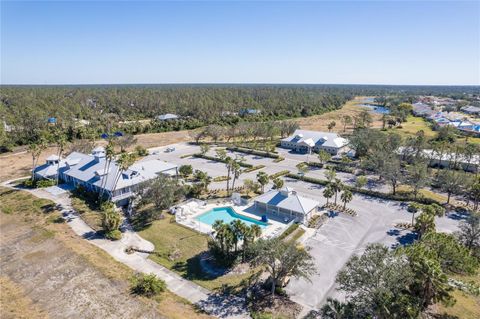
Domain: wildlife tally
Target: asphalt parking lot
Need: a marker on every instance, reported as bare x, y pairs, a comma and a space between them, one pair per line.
339, 238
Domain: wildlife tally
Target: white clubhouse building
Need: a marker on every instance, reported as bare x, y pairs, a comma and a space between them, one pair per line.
304, 141
94, 173
287, 204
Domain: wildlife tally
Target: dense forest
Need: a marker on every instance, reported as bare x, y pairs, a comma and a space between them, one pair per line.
25, 110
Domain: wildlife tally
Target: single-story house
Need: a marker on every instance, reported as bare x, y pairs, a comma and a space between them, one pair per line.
470, 109
244, 112
304, 141
288, 204
94, 173
167, 117
469, 164
421, 109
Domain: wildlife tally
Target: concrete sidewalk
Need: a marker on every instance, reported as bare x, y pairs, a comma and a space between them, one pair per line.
217, 305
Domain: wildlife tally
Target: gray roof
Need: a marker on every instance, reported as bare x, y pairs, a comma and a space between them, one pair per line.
318, 138
92, 170
471, 109
49, 170
287, 198
167, 116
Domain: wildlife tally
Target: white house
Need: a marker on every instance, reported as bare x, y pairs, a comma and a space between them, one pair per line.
473, 110
304, 141
288, 204
167, 117
94, 173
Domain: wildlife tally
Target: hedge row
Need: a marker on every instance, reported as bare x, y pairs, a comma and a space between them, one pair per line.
341, 168
254, 168
279, 159
216, 159
253, 152
288, 231
368, 192
278, 174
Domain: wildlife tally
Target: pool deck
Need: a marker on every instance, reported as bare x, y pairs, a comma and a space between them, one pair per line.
191, 211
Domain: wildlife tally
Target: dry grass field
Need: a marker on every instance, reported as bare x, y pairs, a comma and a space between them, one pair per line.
19, 163
320, 122
48, 271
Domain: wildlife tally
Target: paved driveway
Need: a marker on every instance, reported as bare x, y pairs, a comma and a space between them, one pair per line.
342, 236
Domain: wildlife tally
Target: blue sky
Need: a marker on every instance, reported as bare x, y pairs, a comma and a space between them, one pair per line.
384, 42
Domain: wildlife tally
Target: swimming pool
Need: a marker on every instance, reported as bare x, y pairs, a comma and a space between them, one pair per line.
227, 214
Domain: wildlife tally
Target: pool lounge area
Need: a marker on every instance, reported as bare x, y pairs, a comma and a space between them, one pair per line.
200, 216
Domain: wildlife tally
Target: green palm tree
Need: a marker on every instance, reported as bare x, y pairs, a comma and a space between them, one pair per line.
238, 229
328, 193
109, 156
236, 170
61, 142
346, 197
36, 150
424, 223
124, 162
336, 186
228, 164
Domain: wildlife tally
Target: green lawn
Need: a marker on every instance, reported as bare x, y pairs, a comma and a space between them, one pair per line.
413, 125
178, 249
89, 214
18, 202
467, 306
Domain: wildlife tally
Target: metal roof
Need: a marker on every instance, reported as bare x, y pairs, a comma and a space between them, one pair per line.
288, 199
318, 138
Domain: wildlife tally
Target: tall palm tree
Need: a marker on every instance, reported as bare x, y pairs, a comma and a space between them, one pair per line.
61, 141
36, 150
109, 156
238, 228
124, 162
346, 197
336, 186
236, 170
228, 164
328, 193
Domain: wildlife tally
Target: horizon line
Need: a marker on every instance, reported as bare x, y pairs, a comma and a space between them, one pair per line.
233, 83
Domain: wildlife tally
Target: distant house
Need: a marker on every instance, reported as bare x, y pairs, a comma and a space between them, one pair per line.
436, 159
167, 117
52, 121
473, 110
303, 141
287, 204
422, 109
91, 172
245, 112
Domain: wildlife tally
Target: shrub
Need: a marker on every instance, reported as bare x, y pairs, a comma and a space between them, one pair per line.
111, 220
289, 230
114, 235
185, 170
281, 173
254, 168
141, 151
220, 178
253, 152
45, 183
147, 285
279, 159
216, 159
29, 183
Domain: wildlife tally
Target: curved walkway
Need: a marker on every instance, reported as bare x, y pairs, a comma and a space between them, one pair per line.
217, 305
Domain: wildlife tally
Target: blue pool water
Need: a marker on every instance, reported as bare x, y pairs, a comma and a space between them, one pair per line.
226, 214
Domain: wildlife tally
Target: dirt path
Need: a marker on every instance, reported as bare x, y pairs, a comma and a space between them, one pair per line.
44, 278
220, 306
